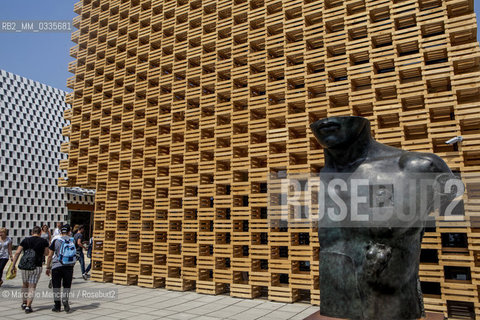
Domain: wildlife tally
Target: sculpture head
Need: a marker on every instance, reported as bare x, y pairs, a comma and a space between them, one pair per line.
338, 132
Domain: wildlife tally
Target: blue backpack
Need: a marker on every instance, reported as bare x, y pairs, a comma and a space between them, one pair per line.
67, 254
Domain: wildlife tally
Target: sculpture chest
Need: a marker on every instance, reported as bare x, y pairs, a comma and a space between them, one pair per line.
366, 264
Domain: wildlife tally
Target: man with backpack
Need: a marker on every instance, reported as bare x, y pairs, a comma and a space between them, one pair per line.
60, 262
34, 248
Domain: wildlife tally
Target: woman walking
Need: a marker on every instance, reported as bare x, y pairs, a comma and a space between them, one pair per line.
46, 233
75, 229
47, 236
5, 251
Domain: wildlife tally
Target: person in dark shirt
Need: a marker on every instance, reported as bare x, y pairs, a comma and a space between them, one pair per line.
79, 245
30, 277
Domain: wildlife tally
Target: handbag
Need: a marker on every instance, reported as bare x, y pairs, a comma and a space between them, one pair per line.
11, 273
27, 262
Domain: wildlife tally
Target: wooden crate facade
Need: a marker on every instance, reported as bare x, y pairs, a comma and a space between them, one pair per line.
181, 109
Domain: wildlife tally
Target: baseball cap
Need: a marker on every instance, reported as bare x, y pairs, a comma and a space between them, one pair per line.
65, 228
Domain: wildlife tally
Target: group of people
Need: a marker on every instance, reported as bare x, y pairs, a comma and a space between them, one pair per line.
62, 248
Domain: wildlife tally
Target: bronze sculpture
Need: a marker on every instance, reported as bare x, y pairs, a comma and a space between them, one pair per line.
369, 266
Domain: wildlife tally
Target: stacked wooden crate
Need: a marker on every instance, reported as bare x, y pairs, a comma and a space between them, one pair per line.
181, 110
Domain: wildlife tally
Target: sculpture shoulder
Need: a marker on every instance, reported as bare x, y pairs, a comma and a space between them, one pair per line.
422, 162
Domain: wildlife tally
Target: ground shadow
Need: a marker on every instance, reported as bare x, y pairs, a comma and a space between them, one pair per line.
74, 308
90, 306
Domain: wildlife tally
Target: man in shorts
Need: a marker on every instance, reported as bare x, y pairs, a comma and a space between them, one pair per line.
30, 277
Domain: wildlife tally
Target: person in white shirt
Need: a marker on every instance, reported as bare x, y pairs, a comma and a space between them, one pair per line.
57, 230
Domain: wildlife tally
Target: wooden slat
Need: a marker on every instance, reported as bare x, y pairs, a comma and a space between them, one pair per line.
181, 109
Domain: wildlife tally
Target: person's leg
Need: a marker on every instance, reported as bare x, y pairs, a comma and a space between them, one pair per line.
3, 263
24, 288
67, 284
87, 270
82, 262
31, 293
24, 294
32, 284
56, 283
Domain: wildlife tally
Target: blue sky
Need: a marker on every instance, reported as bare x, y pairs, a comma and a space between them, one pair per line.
44, 56
41, 57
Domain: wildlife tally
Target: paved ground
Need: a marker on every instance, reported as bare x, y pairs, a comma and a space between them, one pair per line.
137, 303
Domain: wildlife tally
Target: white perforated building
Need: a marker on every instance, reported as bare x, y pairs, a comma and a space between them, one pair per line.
31, 121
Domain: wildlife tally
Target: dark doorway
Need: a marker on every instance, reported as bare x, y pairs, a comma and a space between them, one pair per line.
81, 218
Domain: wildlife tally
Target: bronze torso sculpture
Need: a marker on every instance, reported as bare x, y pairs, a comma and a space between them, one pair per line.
370, 271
